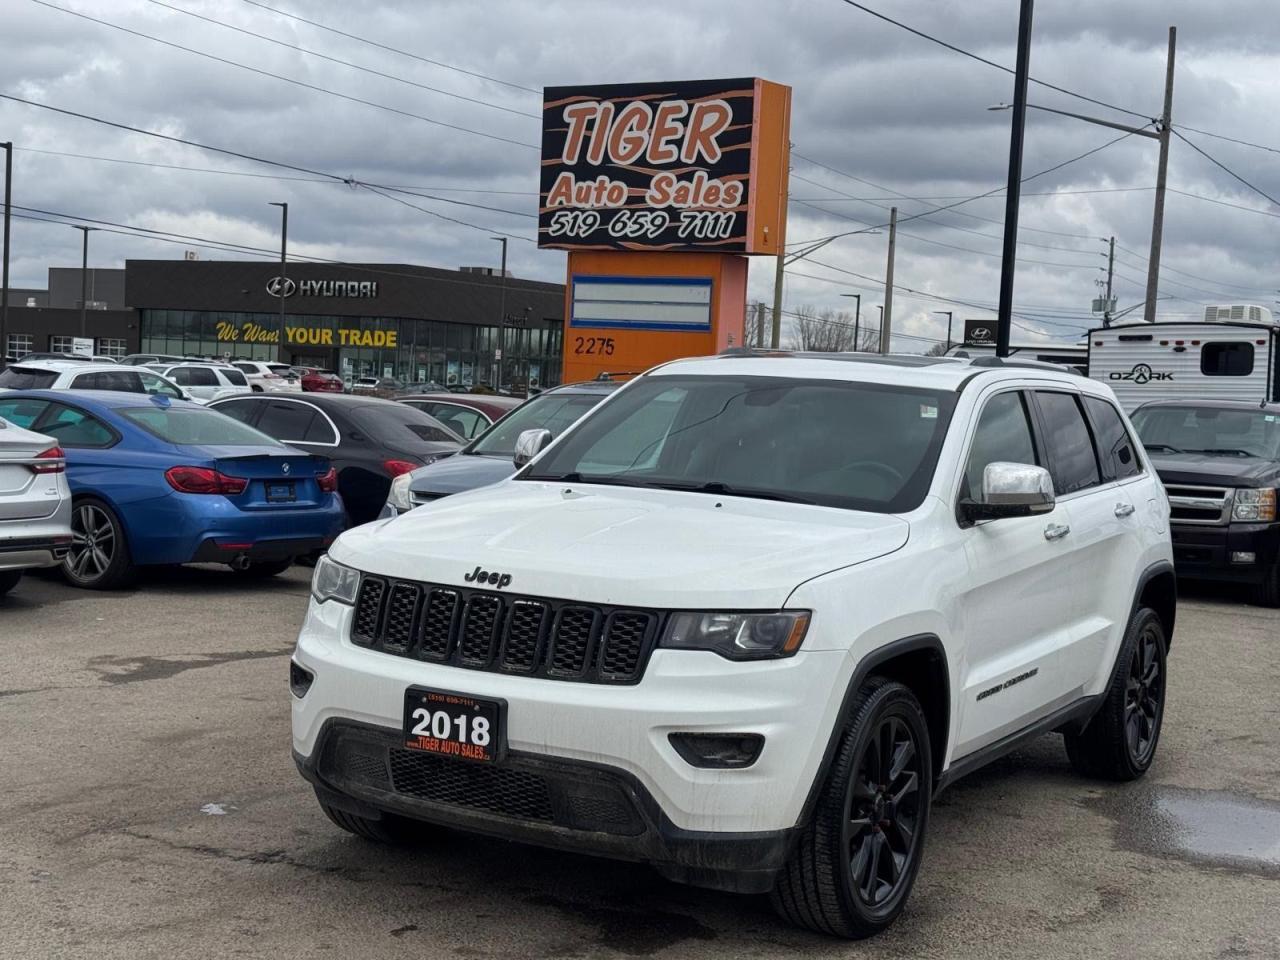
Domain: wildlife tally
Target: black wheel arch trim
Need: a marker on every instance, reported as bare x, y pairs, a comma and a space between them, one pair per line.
929, 642
1157, 569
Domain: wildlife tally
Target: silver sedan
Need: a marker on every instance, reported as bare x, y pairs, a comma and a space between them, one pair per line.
35, 503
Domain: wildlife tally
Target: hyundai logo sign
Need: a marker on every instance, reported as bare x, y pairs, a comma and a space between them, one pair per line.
357, 289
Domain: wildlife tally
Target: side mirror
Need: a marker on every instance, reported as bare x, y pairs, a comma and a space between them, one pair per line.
1011, 490
529, 444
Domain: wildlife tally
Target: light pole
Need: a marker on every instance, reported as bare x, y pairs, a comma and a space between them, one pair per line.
502, 318
1164, 124
949, 315
84, 277
284, 248
1013, 188
4, 280
857, 314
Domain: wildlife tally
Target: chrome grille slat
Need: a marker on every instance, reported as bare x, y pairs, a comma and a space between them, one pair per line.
484, 630
1207, 506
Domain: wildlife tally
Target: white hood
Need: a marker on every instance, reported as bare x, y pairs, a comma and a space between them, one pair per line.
623, 546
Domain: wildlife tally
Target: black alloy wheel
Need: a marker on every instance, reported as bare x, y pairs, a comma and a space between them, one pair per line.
1144, 695
883, 812
98, 558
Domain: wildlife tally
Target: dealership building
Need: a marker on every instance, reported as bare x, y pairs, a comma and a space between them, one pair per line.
409, 322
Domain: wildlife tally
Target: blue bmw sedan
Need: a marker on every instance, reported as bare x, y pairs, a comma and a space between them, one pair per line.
160, 481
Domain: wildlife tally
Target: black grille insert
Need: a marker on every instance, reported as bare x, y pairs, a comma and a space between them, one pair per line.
509, 793
487, 631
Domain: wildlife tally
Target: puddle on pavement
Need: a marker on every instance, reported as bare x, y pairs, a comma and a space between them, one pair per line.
1218, 829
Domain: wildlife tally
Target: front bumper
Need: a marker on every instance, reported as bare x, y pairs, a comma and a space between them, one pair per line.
791, 703
565, 804
1202, 552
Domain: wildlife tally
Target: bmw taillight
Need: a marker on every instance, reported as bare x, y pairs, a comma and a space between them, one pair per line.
54, 461
204, 480
328, 481
397, 467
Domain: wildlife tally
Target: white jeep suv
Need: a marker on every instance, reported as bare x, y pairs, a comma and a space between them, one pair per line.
746, 618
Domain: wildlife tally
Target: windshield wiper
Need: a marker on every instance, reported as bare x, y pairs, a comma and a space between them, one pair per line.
1163, 446
1224, 451
601, 478
724, 489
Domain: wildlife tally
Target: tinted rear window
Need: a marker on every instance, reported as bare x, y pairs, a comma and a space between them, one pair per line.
26, 378
1226, 359
195, 425
395, 423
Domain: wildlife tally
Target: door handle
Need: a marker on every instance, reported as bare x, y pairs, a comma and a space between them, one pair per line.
1124, 509
1056, 531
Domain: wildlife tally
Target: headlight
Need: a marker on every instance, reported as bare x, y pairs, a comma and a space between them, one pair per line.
399, 495
333, 581
1256, 505
738, 636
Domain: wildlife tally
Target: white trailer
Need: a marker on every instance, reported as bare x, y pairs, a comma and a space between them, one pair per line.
1230, 355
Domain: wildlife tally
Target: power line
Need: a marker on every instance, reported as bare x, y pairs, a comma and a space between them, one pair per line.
390, 49
345, 63
1223, 203
960, 196
991, 63
1219, 136
299, 83
1193, 276
433, 213
1223, 166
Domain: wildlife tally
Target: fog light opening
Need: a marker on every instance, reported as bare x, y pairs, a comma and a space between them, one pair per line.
718, 751
300, 679
1243, 556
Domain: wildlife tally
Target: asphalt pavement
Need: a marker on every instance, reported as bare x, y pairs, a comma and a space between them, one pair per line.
149, 808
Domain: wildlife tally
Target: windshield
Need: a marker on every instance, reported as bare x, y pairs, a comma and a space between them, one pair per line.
396, 424
1213, 430
550, 411
196, 425
856, 445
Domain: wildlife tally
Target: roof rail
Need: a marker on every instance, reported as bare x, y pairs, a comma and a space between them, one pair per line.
605, 376
1001, 362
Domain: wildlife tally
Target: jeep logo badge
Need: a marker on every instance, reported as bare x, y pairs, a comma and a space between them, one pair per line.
1141, 373
477, 575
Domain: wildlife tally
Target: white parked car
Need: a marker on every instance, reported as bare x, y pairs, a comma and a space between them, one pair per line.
35, 503
746, 617
70, 375
265, 377
208, 381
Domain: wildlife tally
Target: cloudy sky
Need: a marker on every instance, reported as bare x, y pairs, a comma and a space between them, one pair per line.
451, 103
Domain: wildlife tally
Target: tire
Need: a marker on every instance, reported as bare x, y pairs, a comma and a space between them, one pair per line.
1267, 593
1119, 742
98, 559
262, 569
389, 829
8, 580
837, 880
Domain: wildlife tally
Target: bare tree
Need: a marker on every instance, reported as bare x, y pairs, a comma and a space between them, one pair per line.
937, 350
828, 331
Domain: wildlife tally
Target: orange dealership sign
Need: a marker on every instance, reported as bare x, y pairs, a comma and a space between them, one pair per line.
697, 165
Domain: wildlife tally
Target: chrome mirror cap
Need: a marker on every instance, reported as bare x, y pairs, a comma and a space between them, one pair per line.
529, 444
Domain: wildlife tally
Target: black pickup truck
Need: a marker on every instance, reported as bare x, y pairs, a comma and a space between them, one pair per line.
1220, 463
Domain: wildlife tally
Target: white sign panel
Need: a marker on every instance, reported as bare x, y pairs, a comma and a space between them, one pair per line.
82, 346
642, 303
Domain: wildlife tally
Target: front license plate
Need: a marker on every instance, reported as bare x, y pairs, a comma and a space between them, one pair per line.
280, 492
454, 725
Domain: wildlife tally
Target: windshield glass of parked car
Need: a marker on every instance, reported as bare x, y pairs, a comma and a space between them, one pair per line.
550, 411
196, 425
1209, 429
860, 446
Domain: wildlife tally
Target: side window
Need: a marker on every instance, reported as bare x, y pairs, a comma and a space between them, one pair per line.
22, 413
200, 377
1003, 434
154, 384
320, 431
243, 410
181, 376
1072, 459
75, 428
287, 421
125, 381
1226, 359
248, 368
463, 421
1116, 449
234, 376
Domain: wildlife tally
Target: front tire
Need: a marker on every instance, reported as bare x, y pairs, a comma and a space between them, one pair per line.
99, 555
8, 580
1267, 593
389, 829
1119, 742
854, 866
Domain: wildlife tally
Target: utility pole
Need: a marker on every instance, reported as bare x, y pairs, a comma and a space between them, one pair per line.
84, 278
4, 281
886, 321
502, 318
1162, 171
1111, 267
778, 274
1013, 192
760, 322
284, 247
